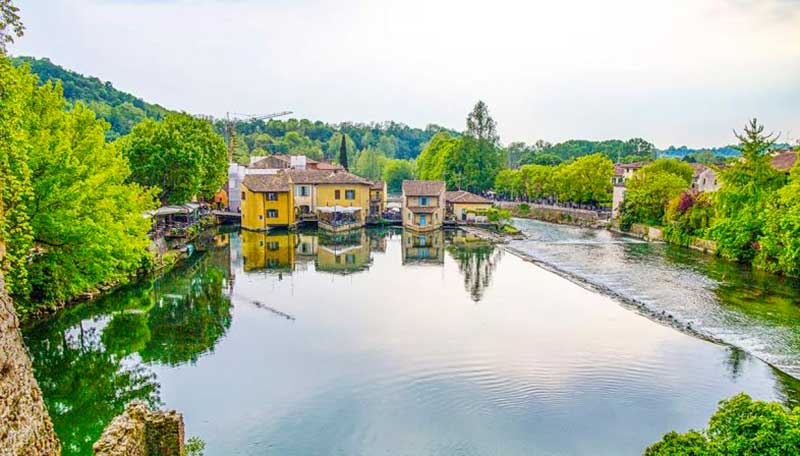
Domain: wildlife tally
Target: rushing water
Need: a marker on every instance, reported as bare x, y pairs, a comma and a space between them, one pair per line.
756, 311
380, 342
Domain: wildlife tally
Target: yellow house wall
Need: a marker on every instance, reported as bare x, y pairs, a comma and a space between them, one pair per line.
261, 250
256, 204
326, 196
462, 208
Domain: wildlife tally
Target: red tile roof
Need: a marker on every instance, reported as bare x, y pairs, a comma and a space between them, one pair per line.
318, 176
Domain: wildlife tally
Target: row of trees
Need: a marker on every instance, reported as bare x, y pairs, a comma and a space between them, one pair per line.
585, 180
544, 153
754, 217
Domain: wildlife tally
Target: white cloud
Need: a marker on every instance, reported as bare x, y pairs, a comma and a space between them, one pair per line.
674, 72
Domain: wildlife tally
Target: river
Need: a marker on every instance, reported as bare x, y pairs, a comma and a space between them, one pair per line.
383, 342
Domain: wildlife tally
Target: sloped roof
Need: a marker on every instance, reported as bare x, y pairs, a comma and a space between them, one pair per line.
422, 188
266, 182
319, 176
462, 196
698, 168
784, 160
377, 185
271, 162
323, 165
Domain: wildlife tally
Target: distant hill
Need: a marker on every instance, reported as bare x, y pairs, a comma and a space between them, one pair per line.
724, 151
120, 109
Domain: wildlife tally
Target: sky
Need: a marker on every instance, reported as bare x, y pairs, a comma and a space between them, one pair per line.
677, 72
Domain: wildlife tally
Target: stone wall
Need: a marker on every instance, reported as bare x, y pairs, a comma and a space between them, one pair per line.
142, 432
25, 426
557, 214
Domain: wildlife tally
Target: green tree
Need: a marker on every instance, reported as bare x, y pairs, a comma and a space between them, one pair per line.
740, 427
674, 166
747, 187
508, 183
10, 24
181, 156
587, 179
649, 191
370, 164
343, 154
538, 181
480, 124
431, 161
395, 172
780, 242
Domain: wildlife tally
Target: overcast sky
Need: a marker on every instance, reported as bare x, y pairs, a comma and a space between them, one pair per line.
673, 72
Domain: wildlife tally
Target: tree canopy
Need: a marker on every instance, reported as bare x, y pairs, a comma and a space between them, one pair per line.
181, 155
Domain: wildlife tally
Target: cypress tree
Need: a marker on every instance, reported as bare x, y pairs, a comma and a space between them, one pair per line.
343, 153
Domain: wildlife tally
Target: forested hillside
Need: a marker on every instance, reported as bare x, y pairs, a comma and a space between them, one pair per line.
122, 110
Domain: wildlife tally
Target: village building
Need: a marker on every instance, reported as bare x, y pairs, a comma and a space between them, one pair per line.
464, 206
622, 172
423, 204
377, 199
337, 200
273, 252
704, 178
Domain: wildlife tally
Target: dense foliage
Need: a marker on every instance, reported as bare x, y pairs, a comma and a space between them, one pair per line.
585, 180
468, 162
322, 140
544, 153
181, 156
740, 427
72, 221
651, 188
121, 110
395, 172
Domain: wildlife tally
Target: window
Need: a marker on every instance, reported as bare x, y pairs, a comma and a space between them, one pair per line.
350, 258
338, 259
337, 194
350, 194
260, 217
272, 196
242, 196
272, 213
423, 200
273, 245
302, 190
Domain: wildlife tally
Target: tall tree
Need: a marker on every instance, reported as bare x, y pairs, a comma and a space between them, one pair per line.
395, 172
10, 24
343, 154
480, 124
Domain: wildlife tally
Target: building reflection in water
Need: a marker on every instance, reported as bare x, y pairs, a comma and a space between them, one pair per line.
423, 248
286, 251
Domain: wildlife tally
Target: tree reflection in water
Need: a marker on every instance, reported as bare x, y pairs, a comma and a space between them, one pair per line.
91, 360
477, 260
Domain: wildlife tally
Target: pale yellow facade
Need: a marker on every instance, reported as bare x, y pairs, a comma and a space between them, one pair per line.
262, 210
270, 251
345, 195
461, 210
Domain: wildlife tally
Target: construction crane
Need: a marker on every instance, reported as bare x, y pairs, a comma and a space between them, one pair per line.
230, 126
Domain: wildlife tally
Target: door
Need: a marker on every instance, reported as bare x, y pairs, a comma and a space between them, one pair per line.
422, 221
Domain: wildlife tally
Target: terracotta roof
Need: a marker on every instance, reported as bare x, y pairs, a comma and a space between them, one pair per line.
784, 160
461, 196
698, 168
318, 176
618, 170
377, 185
327, 166
422, 188
266, 182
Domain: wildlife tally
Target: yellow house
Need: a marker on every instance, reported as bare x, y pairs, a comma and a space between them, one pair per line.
274, 252
377, 199
340, 200
423, 204
461, 205
266, 202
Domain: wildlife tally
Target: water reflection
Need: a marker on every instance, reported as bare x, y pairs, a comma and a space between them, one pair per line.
93, 359
476, 259
750, 309
423, 248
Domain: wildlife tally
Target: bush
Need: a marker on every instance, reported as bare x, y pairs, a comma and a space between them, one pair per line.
524, 209
740, 426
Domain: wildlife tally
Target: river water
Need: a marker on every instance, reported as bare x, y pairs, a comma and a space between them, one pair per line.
382, 342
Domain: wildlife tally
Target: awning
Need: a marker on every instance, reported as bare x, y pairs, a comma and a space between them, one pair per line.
343, 209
